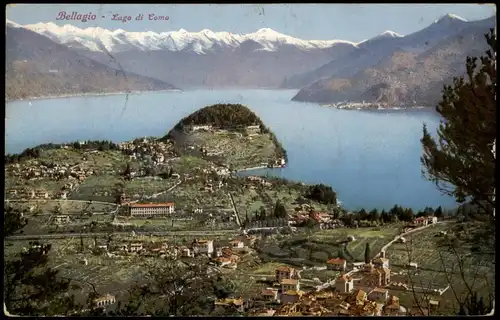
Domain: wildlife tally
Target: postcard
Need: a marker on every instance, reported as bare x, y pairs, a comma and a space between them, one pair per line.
250, 159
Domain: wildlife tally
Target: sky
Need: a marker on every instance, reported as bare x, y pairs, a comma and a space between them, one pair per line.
353, 22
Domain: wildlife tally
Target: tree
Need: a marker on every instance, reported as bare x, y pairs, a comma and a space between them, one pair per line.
127, 171
374, 215
367, 253
118, 192
439, 212
33, 289
262, 213
280, 210
14, 221
183, 290
322, 193
460, 162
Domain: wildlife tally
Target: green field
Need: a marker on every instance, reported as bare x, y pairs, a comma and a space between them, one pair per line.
438, 266
191, 194
252, 199
315, 248
239, 151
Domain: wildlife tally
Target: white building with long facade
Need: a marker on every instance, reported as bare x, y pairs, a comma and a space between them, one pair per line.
151, 209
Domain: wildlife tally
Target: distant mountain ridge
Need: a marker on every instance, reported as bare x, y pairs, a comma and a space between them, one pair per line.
181, 40
368, 53
398, 71
199, 59
38, 67
325, 70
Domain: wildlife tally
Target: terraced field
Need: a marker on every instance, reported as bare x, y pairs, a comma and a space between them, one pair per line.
438, 266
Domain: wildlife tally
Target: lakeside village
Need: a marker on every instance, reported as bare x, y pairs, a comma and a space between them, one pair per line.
361, 289
154, 151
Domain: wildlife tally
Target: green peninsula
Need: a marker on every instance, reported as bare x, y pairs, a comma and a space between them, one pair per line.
230, 135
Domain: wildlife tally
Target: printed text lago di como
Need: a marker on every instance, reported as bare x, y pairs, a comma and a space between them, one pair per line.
76, 16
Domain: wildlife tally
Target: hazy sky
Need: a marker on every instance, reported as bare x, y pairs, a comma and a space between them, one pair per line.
354, 22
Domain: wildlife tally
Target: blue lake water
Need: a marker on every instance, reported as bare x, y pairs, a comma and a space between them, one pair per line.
370, 158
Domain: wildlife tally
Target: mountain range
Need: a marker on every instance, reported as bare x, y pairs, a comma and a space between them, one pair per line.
38, 67
398, 70
389, 68
200, 59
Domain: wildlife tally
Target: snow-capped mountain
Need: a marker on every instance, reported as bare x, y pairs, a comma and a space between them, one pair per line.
200, 42
195, 59
37, 66
265, 58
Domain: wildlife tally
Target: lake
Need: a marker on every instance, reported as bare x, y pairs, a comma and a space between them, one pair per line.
370, 158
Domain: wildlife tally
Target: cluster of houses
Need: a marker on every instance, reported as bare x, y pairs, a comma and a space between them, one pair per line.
148, 149
359, 292
54, 171
212, 186
250, 130
253, 181
224, 256
40, 194
229, 256
324, 219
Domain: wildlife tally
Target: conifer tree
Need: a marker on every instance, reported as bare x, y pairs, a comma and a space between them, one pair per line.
367, 253
460, 161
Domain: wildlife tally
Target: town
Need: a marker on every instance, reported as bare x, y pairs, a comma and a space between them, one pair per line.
114, 215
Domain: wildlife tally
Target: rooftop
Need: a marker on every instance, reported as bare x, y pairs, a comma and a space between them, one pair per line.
105, 298
228, 301
151, 205
294, 293
285, 269
269, 292
336, 261
289, 281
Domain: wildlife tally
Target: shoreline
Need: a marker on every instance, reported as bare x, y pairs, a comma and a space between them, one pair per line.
91, 94
367, 106
251, 168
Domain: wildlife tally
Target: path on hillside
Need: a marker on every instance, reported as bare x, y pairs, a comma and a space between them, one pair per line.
236, 215
105, 234
396, 238
60, 200
384, 248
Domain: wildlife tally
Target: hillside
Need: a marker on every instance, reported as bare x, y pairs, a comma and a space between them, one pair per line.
368, 54
37, 67
405, 77
230, 135
224, 116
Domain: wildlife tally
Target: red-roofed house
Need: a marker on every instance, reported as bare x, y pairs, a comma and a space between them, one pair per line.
269, 295
336, 264
285, 272
421, 221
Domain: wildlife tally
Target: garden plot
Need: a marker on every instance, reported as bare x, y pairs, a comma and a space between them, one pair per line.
188, 165
439, 266
192, 195
239, 152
